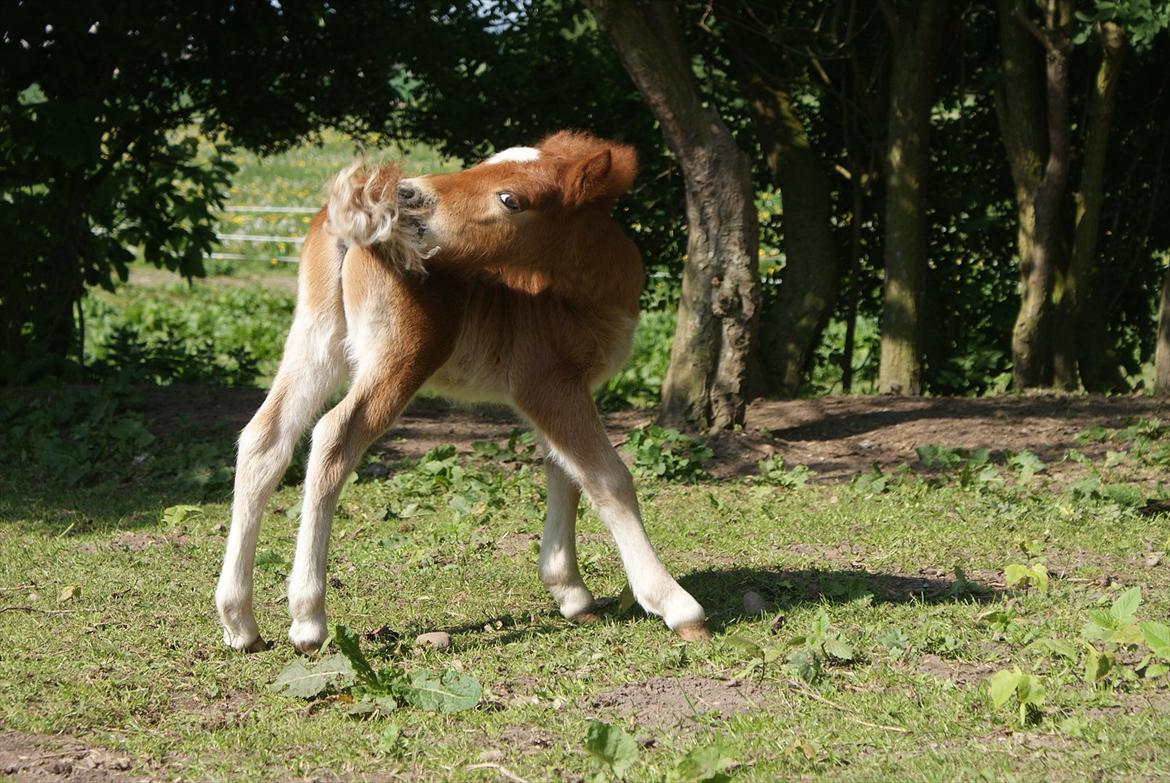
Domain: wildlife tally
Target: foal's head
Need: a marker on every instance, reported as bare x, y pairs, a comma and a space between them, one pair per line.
523, 206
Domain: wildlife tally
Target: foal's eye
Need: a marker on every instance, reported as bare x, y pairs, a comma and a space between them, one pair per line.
509, 201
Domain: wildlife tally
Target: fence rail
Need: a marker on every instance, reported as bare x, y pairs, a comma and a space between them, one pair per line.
264, 239
262, 209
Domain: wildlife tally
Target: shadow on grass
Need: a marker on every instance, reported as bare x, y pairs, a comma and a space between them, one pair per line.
90, 458
721, 591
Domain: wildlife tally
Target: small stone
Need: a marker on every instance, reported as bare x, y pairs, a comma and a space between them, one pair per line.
491, 756
439, 640
754, 603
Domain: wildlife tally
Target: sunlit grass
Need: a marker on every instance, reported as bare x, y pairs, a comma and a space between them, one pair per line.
133, 660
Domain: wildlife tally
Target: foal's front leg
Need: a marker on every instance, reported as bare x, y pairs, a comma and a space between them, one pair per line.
558, 547
568, 420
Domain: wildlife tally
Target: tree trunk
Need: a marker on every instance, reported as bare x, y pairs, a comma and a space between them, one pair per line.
1080, 330
1019, 105
792, 325
1162, 351
917, 36
706, 382
1035, 338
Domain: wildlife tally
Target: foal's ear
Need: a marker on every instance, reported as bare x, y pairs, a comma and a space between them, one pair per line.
601, 177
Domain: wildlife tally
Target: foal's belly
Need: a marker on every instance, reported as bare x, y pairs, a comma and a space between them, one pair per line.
499, 325
472, 376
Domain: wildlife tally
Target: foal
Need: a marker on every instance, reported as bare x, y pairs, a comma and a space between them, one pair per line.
505, 282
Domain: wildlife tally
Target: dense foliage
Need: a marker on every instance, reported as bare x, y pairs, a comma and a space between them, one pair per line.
103, 109
104, 105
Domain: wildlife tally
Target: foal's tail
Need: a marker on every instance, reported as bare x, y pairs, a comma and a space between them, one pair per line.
363, 211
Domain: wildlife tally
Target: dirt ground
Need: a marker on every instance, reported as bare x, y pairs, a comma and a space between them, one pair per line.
30, 758
836, 437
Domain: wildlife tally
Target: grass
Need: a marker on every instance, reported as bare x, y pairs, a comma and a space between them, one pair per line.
111, 636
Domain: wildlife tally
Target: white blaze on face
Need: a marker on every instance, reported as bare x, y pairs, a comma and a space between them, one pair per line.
515, 154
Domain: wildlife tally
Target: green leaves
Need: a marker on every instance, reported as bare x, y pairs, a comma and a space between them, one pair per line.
307, 682
667, 454
448, 691
347, 643
807, 654
772, 471
1098, 664
348, 673
1117, 625
1027, 689
1157, 638
443, 478
945, 457
973, 465
613, 750
705, 764
1026, 465
179, 515
1035, 575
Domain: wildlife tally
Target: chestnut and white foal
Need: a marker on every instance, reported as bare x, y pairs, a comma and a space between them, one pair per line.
508, 282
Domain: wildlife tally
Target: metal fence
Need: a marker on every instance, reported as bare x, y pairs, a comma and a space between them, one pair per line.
263, 238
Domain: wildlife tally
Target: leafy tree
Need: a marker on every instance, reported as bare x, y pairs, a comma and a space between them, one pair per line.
117, 119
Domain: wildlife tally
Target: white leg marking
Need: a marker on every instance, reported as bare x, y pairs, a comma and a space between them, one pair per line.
323, 481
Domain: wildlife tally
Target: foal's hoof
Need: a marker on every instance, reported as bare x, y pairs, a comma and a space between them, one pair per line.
307, 636
237, 643
693, 632
588, 617
258, 645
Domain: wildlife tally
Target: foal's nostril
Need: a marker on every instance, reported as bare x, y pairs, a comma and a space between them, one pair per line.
407, 195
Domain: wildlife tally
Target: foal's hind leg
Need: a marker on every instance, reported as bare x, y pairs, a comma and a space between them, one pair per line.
311, 369
400, 332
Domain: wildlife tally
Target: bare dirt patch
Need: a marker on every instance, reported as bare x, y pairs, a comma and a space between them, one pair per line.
135, 541
230, 709
962, 673
32, 758
837, 437
526, 739
681, 702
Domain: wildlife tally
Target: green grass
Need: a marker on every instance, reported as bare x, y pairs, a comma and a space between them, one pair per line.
133, 660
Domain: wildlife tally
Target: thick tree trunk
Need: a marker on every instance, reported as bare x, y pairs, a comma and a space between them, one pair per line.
791, 326
1080, 335
1162, 351
917, 37
1021, 113
706, 382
